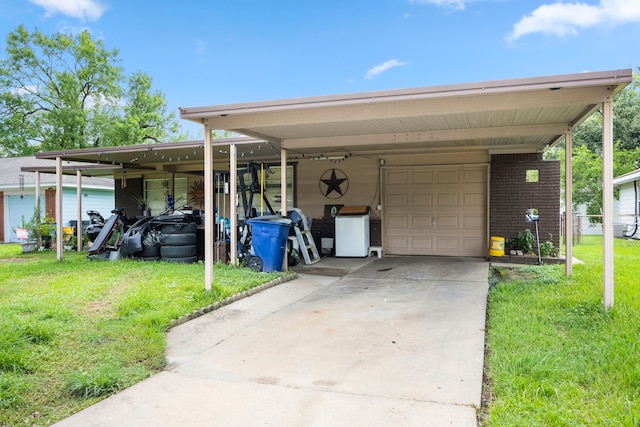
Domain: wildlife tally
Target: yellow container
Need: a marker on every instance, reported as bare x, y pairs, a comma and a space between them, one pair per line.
497, 246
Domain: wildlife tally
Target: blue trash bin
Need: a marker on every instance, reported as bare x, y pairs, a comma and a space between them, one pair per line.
269, 240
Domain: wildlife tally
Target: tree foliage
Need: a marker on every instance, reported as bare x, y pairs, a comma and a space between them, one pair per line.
587, 148
65, 92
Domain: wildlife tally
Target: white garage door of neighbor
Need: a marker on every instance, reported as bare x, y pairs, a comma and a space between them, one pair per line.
435, 210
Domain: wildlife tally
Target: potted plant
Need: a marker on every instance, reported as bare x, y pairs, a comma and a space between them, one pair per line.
142, 203
47, 229
26, 236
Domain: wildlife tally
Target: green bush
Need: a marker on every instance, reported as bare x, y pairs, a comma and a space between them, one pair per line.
524, 241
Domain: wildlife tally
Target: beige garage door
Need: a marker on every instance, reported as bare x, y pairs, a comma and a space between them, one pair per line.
435, 210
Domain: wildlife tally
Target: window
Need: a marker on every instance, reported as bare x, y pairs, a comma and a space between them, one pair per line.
272, 190
157, 190
532, 175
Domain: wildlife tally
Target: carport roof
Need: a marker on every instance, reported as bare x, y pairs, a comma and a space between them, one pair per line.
506, 116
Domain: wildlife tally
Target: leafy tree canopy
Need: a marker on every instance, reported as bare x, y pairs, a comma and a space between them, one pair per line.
587, 148
65, 92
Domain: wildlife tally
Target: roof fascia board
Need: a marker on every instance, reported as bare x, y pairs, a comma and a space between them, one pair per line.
604, 78
628, 177
141, 148
410, 108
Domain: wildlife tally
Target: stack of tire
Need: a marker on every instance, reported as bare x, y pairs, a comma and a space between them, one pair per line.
150, 248
178, 242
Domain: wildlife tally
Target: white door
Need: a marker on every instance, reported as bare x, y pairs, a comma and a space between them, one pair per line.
435, 210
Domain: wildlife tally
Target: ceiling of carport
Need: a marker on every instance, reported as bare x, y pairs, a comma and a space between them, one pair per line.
186, 157
507, 116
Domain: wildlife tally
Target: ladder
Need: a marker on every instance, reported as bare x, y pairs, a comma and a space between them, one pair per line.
306, 244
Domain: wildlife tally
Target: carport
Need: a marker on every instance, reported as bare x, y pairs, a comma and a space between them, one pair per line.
496, 117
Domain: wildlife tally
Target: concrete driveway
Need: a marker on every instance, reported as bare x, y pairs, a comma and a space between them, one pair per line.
393, 341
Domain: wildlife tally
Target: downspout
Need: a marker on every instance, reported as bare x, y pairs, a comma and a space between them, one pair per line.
637, 208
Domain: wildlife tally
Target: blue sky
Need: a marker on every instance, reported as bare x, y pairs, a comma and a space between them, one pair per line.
226, 51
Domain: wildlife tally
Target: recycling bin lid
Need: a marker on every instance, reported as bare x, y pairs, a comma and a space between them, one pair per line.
271, 219
353, 210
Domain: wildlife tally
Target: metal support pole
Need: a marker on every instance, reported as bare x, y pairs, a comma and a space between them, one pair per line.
233, 204
59, 208
209, 218
39, 212
79, 210
607, 201
568, 202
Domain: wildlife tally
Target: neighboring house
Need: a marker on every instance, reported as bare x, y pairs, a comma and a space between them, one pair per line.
628, 204
18, 199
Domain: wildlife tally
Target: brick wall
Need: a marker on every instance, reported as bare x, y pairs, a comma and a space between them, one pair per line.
2, 238
125, 197
512, 195
49, 204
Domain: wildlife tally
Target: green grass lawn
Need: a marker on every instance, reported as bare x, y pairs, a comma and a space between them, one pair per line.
72, 332
556, 357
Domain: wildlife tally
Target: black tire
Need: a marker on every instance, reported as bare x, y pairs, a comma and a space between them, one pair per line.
149, 251
180, 228
178, 251
149, 258
254, 263
184, 260
180, 239
293, 259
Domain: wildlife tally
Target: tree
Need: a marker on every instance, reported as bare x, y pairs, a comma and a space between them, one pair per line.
64, 92
587, 149
626, 117
145, 116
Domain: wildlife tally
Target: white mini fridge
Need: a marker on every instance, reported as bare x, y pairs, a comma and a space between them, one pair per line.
352, 232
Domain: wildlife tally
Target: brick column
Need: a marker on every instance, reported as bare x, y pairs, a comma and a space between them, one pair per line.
49, 204
2, 237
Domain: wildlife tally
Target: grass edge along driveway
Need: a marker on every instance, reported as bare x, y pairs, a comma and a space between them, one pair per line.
556, 357
76, 331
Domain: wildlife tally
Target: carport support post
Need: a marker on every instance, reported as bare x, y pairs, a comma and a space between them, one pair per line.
607, 200
38, 210
209, 218
79, 212
568, 202
283, 196
59, 208
283, 182
233, 204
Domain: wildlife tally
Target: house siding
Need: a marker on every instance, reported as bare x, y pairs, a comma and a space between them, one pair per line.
2, 211
627, 211
511, 196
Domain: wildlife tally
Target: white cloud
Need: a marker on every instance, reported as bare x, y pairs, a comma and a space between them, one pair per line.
562, 19
81, 9
25, 90
452, 4
374, 71
200, 46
